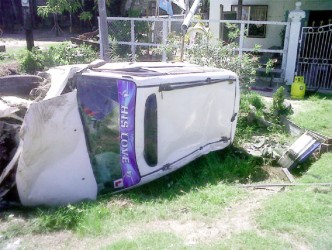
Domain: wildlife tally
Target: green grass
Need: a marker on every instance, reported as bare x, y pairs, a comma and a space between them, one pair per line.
248, 240
118, 212
148, 240
252, 106
165, 240
303, 212
320, 171
198, 191
315, 114
6, 58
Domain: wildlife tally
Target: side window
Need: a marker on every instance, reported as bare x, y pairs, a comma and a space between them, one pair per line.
151, 131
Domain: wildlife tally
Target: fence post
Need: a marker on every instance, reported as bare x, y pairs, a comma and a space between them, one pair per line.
295, 17
132, 40
103, 30
165, 34
241, 39
285, 49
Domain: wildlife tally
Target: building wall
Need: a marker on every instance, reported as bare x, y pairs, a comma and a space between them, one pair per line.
277, 11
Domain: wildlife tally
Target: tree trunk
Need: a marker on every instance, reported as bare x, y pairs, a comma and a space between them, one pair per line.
123, 8
239, 10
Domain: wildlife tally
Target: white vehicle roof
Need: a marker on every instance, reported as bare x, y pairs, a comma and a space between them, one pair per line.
146, 73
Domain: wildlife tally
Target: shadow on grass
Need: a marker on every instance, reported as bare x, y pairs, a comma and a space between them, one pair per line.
231, 165
302, 168
314, 95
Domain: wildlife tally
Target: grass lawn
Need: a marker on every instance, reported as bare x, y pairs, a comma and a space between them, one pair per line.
315, 113
303, 213
197, 207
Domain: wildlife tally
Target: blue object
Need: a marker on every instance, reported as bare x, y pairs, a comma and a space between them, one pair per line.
166, 5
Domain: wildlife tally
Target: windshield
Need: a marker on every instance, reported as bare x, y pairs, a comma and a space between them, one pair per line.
107, 108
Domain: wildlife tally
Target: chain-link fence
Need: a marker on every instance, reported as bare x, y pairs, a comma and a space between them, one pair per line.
159, 39
141, 37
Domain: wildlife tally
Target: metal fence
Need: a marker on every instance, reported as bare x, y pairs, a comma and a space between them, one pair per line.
139, 36
314, 60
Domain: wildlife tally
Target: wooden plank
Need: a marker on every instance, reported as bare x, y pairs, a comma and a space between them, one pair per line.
94, 45
289, 176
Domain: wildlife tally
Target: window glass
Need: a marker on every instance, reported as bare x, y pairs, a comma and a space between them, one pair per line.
99, 109
150, 131
254, 13
107, 108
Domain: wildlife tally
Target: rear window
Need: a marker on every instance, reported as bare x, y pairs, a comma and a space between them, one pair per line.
150, 131
107, 108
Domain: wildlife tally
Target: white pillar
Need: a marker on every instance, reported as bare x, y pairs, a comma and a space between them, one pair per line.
295, 17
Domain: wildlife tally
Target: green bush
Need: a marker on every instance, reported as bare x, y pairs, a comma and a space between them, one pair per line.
251, 98
64, 54
31, 61
61, 54
278, 106
225, 56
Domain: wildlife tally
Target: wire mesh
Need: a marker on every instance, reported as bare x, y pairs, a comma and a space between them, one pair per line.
151, 39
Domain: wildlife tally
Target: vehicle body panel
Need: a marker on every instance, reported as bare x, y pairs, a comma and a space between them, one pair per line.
124, 125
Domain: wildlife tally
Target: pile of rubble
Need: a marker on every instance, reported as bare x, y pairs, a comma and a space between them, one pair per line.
17, 92
266, 147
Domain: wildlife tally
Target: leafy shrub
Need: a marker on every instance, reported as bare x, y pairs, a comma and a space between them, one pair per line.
171, 48
253, 99
116, 52
64, 54
31, 61
245, 129
278, 106
220, 54
61, 54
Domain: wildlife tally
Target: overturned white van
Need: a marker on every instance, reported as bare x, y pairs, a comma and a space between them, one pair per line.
120, 126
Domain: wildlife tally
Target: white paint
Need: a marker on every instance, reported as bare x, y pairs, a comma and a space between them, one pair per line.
59, 78
295, 17
188, 119
54, 167
277, 11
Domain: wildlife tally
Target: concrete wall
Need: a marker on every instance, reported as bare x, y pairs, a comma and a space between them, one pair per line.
277, 11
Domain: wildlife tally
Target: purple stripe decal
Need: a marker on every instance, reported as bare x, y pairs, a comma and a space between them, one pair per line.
127, 98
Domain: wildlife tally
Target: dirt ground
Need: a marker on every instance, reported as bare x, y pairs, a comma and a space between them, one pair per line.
14, 42
42, 38
236, 218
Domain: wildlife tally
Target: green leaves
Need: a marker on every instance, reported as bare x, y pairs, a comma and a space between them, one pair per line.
59, 7
61, 54
278, 106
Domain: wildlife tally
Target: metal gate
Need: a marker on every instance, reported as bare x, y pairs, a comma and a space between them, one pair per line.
314, 60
